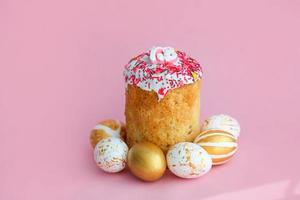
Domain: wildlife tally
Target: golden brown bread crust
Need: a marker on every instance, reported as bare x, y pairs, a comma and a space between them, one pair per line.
173, 119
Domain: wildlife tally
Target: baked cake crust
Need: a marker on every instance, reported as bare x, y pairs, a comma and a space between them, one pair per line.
173, 119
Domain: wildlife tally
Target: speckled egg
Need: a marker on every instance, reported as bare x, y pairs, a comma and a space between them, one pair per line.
224, 123
107, 128
188, 160
110, 154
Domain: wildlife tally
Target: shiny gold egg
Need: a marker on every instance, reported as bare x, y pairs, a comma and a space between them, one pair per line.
105, 129
146, 161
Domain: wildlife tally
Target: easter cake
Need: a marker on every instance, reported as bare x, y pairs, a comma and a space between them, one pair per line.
162, 97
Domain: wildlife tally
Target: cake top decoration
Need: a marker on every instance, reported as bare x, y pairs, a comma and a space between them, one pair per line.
163, 54
162, 69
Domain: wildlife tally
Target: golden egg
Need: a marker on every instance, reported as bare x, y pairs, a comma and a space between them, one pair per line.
146, 161
105, 129
220, 145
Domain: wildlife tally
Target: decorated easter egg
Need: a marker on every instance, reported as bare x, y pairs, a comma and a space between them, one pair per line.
188, 160
110, 154
222, 122
107, 128
146, 161
220, 145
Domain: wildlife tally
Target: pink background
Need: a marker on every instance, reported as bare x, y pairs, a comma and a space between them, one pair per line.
61, 65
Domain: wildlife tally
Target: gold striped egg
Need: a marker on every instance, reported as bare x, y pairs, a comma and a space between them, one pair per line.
107, 128
220, 145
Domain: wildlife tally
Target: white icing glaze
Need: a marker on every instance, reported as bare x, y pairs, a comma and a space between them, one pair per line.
161, 70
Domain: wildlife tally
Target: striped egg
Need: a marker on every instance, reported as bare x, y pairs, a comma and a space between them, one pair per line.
220, 145
105, 129
222, 122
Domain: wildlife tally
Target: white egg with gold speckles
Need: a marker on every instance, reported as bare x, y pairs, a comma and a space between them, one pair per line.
110, 154
188, 160
224, 123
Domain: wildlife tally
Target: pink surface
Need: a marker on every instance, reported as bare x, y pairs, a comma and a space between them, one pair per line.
61, 65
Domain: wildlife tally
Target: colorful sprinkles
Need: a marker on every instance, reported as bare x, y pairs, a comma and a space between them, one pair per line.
162, 77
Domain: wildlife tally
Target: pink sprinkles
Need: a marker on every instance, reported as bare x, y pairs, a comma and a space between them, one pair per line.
162, 77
